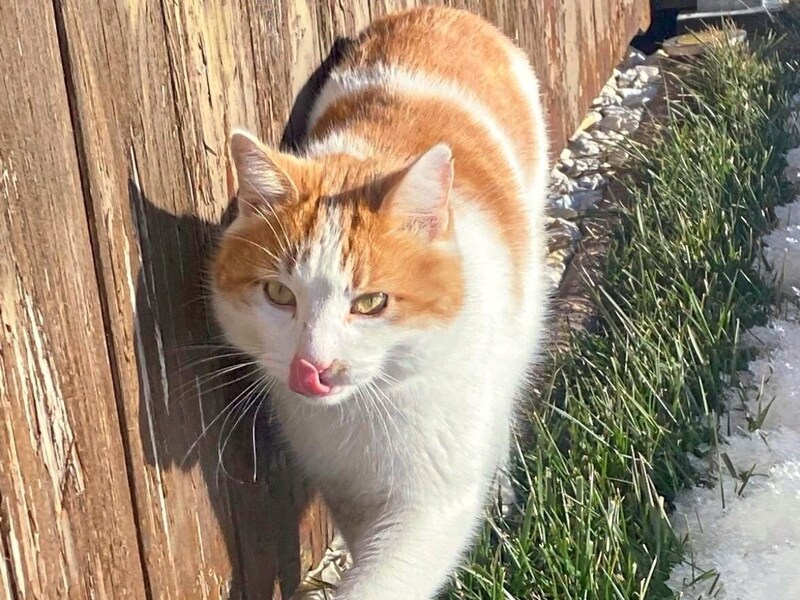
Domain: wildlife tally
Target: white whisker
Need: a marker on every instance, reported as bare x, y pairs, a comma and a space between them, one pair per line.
245, 404
225, 410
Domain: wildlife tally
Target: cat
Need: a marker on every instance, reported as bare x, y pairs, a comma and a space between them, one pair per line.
390, 281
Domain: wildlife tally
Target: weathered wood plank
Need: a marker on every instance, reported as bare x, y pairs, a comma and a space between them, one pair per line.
66, 520
153, 84
157, 90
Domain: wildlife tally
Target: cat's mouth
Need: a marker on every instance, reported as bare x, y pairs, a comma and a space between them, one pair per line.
301, 384
317, 382
335, 395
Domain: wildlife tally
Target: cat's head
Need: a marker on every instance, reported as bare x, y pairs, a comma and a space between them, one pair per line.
336, 268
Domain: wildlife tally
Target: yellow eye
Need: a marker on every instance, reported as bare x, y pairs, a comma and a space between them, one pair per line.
370, 304
279, 294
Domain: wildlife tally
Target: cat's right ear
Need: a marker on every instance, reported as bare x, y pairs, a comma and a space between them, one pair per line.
262, 173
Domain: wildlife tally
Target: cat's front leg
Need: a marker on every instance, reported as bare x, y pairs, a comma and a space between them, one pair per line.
412, 558
504, 482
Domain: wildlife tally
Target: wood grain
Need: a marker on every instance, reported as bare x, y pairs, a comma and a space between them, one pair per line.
67, 527
156, 93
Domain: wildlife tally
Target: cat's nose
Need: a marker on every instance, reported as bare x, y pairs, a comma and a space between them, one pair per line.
308, 378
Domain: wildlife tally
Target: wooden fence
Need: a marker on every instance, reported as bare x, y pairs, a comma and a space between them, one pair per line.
113, 176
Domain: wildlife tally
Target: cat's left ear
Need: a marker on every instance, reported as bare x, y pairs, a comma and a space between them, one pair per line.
421, 196
264, 174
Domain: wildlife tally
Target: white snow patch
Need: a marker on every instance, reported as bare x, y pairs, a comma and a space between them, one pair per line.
752, 544
782, 249
792, 171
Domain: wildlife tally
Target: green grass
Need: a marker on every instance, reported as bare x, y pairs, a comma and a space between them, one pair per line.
627, 405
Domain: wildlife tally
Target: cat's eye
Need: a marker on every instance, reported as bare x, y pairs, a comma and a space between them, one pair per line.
279, 294
369, 304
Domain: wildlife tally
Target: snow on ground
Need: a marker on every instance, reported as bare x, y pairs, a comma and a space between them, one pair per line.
753, 543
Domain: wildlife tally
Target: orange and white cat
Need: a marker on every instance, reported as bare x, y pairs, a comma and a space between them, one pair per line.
391, 282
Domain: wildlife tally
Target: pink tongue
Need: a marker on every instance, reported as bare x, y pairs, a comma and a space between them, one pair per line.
304, 379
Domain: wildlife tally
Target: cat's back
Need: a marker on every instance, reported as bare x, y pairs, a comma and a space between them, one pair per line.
466, 58
429, 75
449, 54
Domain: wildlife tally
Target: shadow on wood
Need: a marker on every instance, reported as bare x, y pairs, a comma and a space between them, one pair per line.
208, 412
208, 406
